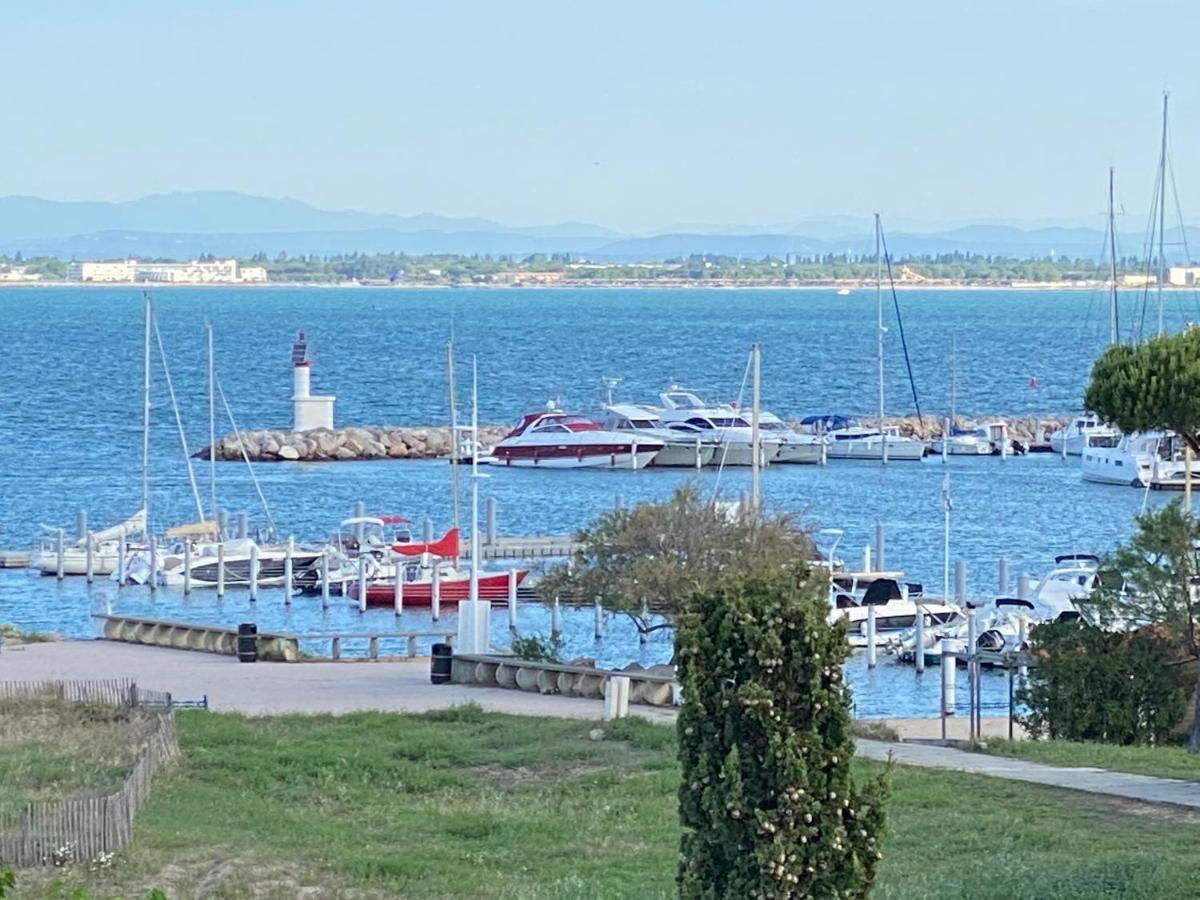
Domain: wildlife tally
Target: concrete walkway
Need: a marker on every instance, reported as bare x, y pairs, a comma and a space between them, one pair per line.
1143, 788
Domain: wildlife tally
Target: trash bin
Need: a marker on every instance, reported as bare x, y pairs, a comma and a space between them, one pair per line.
247, 642
439, 668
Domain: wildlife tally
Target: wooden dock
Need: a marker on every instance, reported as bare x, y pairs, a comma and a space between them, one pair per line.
531, 547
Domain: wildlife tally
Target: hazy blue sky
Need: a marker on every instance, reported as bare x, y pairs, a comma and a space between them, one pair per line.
634, 115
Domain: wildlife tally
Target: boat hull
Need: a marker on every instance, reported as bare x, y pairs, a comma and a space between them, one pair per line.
104, 562
451, 591
687, 456
570, 458
799, 454
898, 451
237, 571
961, 448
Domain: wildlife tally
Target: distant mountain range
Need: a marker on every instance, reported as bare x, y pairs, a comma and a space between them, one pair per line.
227, 223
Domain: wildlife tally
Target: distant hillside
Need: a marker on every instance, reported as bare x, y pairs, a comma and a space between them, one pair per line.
227, 223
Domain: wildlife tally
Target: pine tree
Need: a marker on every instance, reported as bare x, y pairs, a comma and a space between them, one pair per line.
767, 801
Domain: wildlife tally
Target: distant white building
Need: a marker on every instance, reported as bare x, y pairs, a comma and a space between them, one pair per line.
217, 271
1183, 276
106, 271
18, 273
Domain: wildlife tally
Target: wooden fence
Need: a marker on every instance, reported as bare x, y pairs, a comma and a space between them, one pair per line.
82, 828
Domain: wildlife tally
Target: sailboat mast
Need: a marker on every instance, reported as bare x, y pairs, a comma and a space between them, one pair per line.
1114, 329
953, 375
212, 428
1162, 210
879, 332
755, 434
146, 413
454, 437
473, 591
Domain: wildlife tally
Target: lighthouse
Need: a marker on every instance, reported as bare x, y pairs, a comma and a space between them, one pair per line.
308, 412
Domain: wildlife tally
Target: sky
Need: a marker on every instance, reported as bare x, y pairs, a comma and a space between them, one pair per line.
633, 115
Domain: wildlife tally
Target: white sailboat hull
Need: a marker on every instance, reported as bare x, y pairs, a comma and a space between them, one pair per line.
873, 450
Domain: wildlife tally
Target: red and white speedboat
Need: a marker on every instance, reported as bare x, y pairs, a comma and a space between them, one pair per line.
557, 440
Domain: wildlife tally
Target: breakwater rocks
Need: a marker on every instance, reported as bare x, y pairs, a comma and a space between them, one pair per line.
1029, 429
346, 444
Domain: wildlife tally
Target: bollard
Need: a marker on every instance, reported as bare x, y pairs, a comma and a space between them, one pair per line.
122, 551
222, 524
1003, 576
187, 567
427, 530
221, 570
325, 578
253, 573
960, 582
512, 600
871, 636
599, 631
243, 527
866, 567
153, 563
89, 569
60, 552
435, 597
362, 582
1023, 585
289, 581
555, 620
81, 529
880, 564
398, 591
949, 679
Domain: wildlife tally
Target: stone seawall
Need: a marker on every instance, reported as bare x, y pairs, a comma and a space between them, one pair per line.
377, 442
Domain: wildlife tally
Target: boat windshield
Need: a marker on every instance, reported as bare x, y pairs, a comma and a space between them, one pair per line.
728, 422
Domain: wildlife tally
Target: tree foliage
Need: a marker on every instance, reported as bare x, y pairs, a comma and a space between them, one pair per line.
1096, 685
1154, 585
1152, 385
657, 555
767, 800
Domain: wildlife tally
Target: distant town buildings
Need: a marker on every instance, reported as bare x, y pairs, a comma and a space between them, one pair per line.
1183, 276
18, 273
217, 271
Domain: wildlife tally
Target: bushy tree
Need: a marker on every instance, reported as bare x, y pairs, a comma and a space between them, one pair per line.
767, 801
1116, 687
1151, 583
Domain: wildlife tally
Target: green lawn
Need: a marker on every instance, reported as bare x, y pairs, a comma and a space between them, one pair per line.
468, 804
1167, 762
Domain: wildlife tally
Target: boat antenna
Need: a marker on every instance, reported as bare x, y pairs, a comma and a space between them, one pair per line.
1162, 209
879, 333
473, 589
611, 384
237, 433
755, 434
146, 410
455, 443
187, 457
212, 427
900, 324
1114, 326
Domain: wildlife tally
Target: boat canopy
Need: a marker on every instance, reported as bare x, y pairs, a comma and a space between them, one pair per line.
829, 420
193, 529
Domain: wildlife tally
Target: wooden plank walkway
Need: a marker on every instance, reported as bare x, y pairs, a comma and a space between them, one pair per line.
532, 547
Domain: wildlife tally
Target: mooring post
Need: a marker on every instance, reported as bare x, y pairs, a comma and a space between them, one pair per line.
1022, 636
81, 528
699, 455
880, 557
435, 597
918, 633
220, 570
1002, 579
512, 600
153, 563
871, 636
325, 578
89, 553
599, 631
122, 552
243, 526
972, 636
866, 565
1023, 586
398, 591
960, 582
60, 543
949, 679
253, 572
427, 530
362, 581
187, 567
288, 580
645, 620
555, 619
491, 523
222, 524
360, 510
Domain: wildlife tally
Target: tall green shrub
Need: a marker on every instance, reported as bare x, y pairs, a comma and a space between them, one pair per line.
767, 802
1094, 685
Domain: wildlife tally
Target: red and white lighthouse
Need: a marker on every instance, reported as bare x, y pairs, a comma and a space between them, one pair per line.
308, 412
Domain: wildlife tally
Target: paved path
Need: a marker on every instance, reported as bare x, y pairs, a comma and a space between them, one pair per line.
1144, 788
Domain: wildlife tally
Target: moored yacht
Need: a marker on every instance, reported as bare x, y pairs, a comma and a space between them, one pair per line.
850, 440
689, 447
794, 447
1074, 437
730, 430
1154, 459
557, 440
105, 551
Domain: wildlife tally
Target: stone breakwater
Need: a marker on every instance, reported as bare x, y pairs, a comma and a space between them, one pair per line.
376, 442
346, 444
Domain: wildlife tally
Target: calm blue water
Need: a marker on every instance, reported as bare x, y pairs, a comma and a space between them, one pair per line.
70, 423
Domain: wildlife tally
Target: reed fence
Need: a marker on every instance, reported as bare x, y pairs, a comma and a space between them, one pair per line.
83, 828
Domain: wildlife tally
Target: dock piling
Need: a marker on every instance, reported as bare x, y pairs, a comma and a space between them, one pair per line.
325, 579
960, 582
1002, 581
435, 596
1022, 636
362, 581
288, 580
866, 564
427, 530
1023, 586
949, 679
153, 563
222, 524
360, 510
599, 630
60, 550
645, 621
490, 534
918, 634
81, 523
398, 591
89, 557
187, 567
879, 548
555, 619
220, 570
253, 573
122, 552
512, 600
871, 636
243, 526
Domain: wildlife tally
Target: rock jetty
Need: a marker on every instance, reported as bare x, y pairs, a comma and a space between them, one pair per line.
377, 442
346, 444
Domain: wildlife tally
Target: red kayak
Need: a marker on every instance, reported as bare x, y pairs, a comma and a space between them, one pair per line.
453, 588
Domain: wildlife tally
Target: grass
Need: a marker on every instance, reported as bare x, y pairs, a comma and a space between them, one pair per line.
471, 804
1167, 762
15, 635
50, 749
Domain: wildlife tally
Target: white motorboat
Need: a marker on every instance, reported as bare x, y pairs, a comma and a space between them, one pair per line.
854, 441
961, 443
691, 448
238, 554
1155, 459
896, 610
684, 411
1081, 432
105, 552
794, 447
557, 440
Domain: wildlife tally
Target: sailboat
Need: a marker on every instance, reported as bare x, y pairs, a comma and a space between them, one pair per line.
953, 442
105, 551
854, 441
